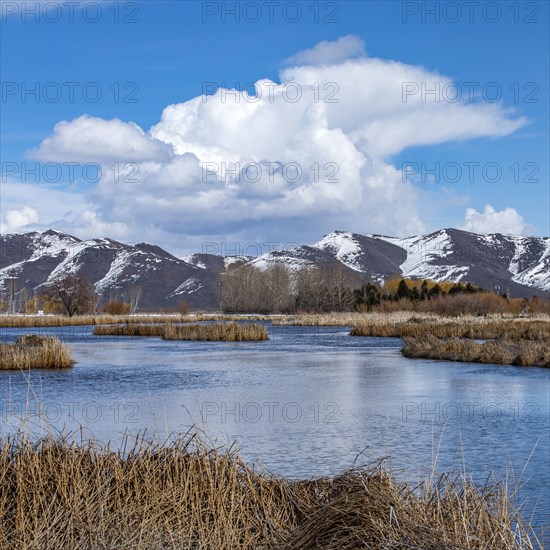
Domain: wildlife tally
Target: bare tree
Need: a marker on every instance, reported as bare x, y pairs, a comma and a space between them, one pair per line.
74, 295
339, 283
12, 295
133, 297
280, 299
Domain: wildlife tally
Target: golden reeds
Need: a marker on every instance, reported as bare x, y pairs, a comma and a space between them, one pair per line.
32, 351
184, 495
76, 320
464, 328
130, 329
228, 332
501, 351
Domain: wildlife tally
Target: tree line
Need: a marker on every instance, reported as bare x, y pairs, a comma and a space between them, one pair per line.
246, 288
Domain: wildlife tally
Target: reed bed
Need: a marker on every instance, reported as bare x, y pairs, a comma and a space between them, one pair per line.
390, 318
32, 351
512, 329
19, 321
130, 329
228, 332
502, 351
183, 495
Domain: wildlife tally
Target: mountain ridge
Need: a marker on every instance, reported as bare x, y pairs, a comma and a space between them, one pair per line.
29, 262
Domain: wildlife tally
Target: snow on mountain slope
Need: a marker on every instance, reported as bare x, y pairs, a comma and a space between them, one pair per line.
423, 253
537, 276
118, 265
188, 287
344, 247
290, 261
33, 261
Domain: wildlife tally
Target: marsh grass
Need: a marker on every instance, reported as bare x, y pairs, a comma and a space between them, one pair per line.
228, 332
502, 351
63, 320
32, 351
417, 327
391, 318
182, 494
130, 329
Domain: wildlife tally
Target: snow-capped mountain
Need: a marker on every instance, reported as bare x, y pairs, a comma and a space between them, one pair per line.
34, 260
507, 263
517, 265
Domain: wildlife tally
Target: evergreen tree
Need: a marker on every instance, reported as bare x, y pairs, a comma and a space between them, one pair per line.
403, 291
435, 291
424, 291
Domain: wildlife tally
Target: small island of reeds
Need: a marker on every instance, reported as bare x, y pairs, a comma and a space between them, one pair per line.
507, 341
216, 332
227, 332
33, 351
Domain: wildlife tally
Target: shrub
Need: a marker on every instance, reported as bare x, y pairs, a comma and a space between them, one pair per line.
116, 307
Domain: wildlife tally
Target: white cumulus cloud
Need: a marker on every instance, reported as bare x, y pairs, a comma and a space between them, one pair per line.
17, 220
507, 220
329, 52
300, 157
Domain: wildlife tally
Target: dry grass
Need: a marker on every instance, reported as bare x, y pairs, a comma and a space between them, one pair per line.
501, 351
342, 319
228, 332
183, 495
130, 329
32, 351
77, 320
476, 328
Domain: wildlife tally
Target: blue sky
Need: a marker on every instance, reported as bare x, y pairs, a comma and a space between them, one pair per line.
161, 53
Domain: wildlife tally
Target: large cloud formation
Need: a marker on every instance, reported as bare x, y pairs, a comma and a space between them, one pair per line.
311, 151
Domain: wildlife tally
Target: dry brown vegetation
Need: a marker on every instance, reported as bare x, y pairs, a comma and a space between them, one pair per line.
512, 341
130, 329
32, 351
184, 495
64, 320
501, 351
483, 303
214, 332
228, 332
465, 328
389, 319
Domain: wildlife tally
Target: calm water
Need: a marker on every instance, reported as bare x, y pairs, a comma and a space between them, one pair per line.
309, 402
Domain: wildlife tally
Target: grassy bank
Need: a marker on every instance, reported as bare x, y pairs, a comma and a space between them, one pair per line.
317, 319
502, 351
227, 332
396, 317
31, 351
77, 320
183, 495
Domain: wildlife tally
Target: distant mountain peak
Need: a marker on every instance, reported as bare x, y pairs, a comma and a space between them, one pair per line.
515, 264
